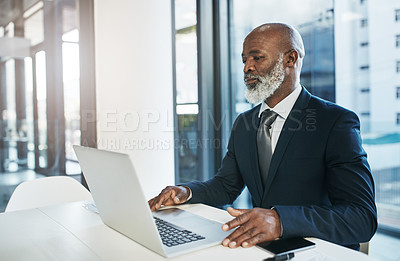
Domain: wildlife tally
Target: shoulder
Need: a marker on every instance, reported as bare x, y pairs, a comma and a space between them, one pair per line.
330, 109
248, 115
247, 119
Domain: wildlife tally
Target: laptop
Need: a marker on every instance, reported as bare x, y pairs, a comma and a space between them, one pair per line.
121, 204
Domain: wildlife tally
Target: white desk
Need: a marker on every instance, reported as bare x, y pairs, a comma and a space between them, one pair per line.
71, 232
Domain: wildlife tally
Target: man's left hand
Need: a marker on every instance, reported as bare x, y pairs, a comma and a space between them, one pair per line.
253, 226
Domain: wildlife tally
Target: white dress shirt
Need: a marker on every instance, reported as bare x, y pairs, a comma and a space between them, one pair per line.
283, 109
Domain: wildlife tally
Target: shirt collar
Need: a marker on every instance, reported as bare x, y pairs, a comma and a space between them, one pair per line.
284, 107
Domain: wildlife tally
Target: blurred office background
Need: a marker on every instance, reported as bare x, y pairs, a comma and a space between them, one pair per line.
162, 81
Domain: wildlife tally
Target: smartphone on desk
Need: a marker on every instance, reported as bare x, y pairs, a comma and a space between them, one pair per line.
287, 245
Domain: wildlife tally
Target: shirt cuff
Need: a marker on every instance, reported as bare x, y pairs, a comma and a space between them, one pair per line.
190, 192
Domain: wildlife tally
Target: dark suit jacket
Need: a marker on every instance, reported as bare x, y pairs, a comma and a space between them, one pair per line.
319, 179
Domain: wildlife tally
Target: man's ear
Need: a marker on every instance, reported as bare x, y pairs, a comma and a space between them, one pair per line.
291, 58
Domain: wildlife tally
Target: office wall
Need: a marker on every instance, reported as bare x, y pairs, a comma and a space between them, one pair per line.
134, 86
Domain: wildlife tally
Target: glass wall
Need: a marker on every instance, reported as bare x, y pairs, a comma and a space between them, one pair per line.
41, 100
71, 78
350, 60
40, 94
187, 102
313, 19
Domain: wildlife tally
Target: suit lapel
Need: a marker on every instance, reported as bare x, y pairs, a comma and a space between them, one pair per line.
289, 128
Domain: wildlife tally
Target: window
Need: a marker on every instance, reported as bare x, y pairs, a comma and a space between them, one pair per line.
398, 41
325, 74
315, 23
187, 107
316, 27
397, 15
71, 77
41, 91
364, 22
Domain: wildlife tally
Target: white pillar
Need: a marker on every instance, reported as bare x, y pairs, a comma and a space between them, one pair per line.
134, 86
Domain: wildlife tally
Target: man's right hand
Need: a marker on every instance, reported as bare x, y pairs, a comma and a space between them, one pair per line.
171, 195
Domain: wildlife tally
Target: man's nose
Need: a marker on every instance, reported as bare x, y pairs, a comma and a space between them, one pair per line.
248, 67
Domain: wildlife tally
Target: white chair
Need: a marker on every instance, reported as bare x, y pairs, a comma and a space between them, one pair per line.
47, 191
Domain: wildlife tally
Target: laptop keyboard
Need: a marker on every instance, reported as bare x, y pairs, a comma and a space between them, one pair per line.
172, 235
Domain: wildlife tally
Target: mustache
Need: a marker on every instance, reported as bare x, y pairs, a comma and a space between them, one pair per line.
251, 76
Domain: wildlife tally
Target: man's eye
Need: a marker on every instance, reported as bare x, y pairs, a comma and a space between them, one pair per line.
244, 61
257, 58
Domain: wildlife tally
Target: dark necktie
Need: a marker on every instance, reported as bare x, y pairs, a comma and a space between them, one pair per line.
264, 143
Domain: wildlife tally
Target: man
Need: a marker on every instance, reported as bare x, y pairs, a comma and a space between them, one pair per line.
303, 162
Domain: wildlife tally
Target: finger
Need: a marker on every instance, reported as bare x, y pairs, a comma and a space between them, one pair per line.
231, 239
169, 202
164, 197
260, 237
245, 231
239, 220
153, 205
242, 236
160, 199
150, 202
236, 212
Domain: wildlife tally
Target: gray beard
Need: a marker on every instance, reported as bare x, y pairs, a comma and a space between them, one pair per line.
267, 85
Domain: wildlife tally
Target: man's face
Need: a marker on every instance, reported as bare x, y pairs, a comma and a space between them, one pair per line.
263, 68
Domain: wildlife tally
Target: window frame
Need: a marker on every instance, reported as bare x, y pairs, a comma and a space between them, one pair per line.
364, 22
397, 15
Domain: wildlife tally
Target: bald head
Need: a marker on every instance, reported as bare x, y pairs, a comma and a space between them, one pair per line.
285, 36
272, 57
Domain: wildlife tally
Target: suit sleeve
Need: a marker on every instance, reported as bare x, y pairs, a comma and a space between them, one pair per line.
225, 186
351, 218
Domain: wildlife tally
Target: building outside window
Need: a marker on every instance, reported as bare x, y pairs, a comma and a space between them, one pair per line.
335, 68
397, 15
364, 22
333, 33
315, 22
398, 41
398, 92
